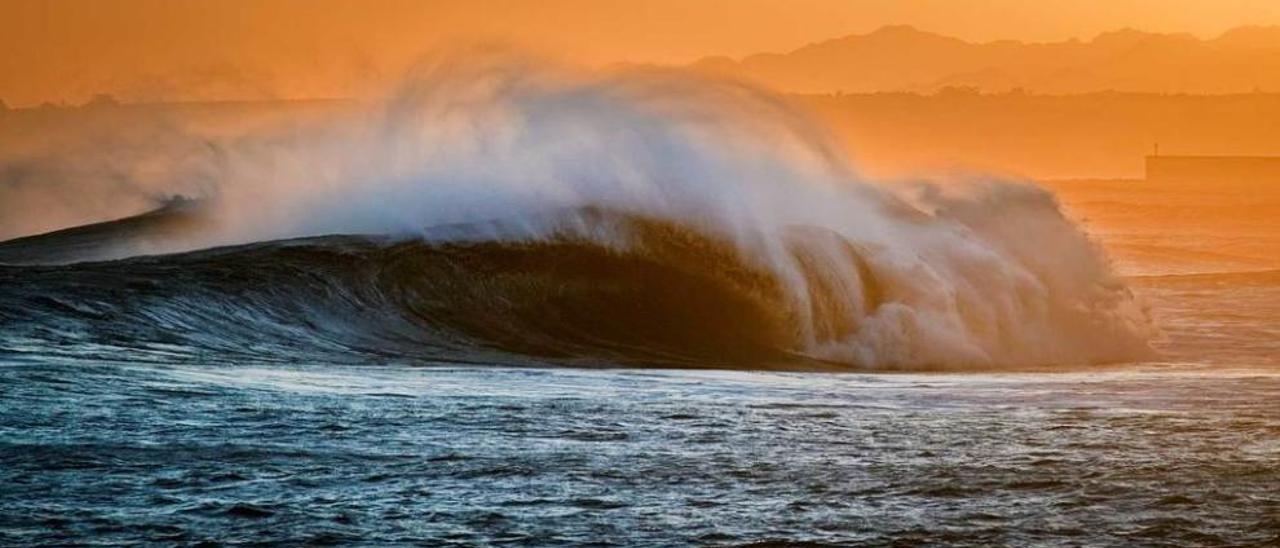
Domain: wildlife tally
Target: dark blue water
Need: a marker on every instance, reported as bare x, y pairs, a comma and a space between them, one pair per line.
117, 453
316, 392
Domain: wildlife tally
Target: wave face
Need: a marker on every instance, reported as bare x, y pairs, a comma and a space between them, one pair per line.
641, 217
673, 298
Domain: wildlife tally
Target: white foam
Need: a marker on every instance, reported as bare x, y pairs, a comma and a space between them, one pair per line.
992, 275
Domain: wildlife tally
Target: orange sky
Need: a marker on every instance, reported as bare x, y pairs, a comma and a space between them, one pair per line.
64, 50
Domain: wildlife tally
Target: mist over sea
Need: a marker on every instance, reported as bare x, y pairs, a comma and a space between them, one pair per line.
514, 304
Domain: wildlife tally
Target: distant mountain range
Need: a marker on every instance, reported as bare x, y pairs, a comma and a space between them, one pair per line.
902, 58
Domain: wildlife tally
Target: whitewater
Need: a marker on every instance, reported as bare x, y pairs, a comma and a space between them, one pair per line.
713, 184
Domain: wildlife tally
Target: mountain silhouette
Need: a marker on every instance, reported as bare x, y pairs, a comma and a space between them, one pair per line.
903, 58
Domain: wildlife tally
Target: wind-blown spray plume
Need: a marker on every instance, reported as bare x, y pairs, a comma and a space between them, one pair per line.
655, 214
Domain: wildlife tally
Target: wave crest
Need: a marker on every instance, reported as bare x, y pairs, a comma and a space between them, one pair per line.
697, 214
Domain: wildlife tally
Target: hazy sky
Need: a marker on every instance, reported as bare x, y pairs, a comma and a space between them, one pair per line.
65, 49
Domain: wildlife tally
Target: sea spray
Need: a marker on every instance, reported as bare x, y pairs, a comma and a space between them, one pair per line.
990, 276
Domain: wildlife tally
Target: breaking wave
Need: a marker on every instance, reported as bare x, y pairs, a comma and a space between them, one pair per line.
498, 207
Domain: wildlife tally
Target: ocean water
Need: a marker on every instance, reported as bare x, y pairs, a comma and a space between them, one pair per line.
112, 433
187, 400
629, 311
118, 453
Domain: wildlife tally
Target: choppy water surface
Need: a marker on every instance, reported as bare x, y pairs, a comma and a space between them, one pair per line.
118, 452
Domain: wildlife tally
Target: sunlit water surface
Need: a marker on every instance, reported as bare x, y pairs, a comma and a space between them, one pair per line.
1181, 451
116, 452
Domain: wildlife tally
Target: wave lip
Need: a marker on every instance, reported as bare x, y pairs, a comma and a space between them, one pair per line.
176, 218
